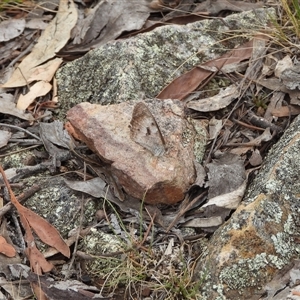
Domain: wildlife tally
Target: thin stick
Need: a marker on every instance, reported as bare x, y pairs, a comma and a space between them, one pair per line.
21, 129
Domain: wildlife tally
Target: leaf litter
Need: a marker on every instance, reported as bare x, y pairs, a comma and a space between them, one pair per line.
243, 119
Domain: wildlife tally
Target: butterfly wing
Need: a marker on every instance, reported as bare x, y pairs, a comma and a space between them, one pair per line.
145, 131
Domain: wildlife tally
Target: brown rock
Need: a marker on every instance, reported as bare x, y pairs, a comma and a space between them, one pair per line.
262, 236
156, 178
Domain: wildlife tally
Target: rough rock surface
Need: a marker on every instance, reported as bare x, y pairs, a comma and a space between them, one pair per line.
139, 67
262, 236
154, 178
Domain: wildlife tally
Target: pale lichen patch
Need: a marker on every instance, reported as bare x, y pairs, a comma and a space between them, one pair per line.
289, 226
283, 245
240, 275
276, 261
275, 212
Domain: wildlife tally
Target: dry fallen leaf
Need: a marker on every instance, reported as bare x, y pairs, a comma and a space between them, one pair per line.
214, 7
255, 159
269, 65
54, 38
264, 137
204, 222
10, 29
41, 88
95, 187
45, 231
106, 21
4, 137
283, 64
6, 248
285, 111
9, 108
276, 102
219, 101
46, 71
229, 200
225, 175
215, 127
188, 82
68, 289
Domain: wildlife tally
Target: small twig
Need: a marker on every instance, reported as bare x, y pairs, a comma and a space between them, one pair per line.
21, 129
67, 276
262, 122
249, 144
27, 84
21, 198
207, 160
18, 151
248, 125
27, 193
26, 141
184, 210
149, 227
19, 231
104, 209
19, 281
111, 254
27, 50
242, 92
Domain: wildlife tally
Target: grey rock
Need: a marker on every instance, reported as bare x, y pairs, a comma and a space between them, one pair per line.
139, 67
60, 205
262, 235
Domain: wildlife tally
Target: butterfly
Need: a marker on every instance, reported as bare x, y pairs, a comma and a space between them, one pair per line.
145, 131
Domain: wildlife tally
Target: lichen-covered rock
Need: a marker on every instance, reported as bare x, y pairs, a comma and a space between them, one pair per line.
135, 165
97, 244
60, 205
262, 235
139, 67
